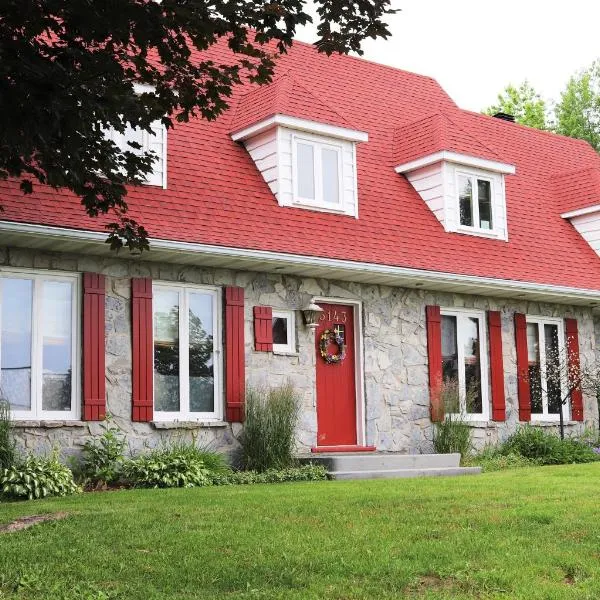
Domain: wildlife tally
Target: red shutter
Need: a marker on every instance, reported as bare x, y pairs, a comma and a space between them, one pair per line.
434, 353
142, 349
522, 367
263, 328
235, 366
496, 365
94, 384
573, 367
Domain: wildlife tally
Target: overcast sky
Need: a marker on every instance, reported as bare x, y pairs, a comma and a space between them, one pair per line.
474, 48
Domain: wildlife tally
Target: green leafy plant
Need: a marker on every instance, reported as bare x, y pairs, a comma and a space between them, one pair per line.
268, 438
491, 459
38, 477
453, 434
7, 441
103, 456
303, 473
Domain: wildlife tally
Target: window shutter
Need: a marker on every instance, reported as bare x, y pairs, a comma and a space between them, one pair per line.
496, 365
263, 328
94, 383
522, 367
434, 353
235, 365
142, 348
573, 366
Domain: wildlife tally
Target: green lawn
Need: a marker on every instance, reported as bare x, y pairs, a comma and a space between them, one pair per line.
527, 533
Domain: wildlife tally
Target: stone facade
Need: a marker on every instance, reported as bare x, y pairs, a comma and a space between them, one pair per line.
394, 347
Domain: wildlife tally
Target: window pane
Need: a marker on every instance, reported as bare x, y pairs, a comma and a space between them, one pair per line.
202, 383
280, 330
15, 337
552, 368
130, 135
166, 350
465, 196
450, 364
331, 177
56, 316
305, 169
535, 374
484, 194
474, 402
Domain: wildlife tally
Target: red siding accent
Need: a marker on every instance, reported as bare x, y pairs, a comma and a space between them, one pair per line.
263, 328
235, 365
94, 383
522, 367
496, 365
143, 349
572, 335
434, 353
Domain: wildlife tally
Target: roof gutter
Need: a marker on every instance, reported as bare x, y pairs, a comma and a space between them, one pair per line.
264, 260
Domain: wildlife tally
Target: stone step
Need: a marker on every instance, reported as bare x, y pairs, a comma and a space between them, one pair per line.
405, 473
378, 461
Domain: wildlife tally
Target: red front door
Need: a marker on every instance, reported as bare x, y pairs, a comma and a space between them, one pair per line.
336, 381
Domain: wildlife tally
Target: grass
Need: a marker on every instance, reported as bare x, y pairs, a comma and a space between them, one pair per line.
529, 533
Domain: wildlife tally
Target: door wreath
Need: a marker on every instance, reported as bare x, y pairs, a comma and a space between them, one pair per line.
330, 336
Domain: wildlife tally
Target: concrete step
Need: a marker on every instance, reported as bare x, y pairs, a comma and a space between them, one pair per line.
406, 473
381, 461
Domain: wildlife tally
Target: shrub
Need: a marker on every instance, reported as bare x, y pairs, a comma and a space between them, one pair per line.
103, 456
490, 459
268, 437
303, 473
38, 477
7, 442
214, 462
452, 435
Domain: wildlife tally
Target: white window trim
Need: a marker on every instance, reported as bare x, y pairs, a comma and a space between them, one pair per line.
545, 416
290, 347
317, 202
36, 411
184, 396
460, 313
473, 229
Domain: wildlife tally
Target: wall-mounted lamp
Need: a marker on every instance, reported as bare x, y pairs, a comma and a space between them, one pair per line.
311, 315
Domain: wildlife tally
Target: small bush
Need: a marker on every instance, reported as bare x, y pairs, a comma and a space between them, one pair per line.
7, 442
491, 459
38, 477
214, 462
103, 456
268, 437
452, 435
303, 473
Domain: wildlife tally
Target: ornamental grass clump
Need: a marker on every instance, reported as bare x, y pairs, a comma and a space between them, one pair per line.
267, 441
453, 434
7, 441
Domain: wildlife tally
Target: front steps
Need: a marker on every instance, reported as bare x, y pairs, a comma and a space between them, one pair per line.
388, 465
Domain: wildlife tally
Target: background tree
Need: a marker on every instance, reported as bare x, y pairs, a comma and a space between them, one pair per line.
524, 103
68, 69
578, 112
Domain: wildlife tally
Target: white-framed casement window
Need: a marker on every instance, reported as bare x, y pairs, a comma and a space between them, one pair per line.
464, 363
475, 201
317, 173
284, 332
187, 352
546, 371
39, 344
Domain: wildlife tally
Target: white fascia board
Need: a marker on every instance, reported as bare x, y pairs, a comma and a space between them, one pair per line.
460, 159
581, 211
267, 259
342, 133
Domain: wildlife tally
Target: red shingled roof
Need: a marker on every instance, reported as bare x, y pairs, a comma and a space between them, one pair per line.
577, 189
216, 194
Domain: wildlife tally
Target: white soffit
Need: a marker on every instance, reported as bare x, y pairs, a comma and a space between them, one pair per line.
455, 157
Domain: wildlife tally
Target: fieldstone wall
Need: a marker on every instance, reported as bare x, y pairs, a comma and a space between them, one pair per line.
395, 355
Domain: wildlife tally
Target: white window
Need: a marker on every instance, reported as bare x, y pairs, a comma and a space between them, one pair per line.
546, 368
187, 353
317, 173
39, 361
464, 363
475, 202
155, 143
284, 332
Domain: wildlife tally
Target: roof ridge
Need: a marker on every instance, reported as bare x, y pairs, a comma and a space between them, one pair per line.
469, 134
322, 102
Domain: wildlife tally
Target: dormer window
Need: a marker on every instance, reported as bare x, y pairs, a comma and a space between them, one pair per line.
475, 202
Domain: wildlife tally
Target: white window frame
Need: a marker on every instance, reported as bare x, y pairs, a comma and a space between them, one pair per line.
541, 321
318, 144
474, 175
184, 414
461, 314
290, 317
38, 277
